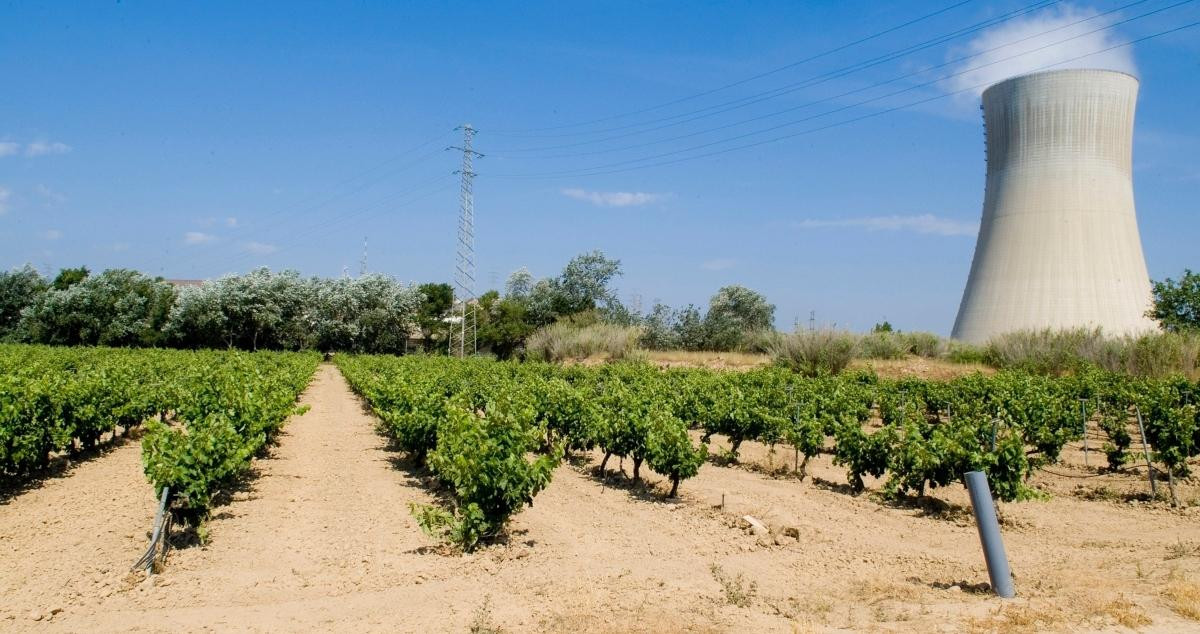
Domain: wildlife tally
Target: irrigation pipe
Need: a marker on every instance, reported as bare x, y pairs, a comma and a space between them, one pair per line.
146, 562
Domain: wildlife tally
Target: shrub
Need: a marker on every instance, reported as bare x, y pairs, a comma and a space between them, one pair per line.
1159, 354
669, 449
923, 344
880, 344
1045, 351
561, 341
760, 341
483, 460
963, 352
815, 352
1056, 352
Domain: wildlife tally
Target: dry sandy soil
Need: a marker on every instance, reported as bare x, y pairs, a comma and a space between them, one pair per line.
322, 539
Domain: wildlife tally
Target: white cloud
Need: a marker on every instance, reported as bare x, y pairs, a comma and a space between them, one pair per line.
197, 237
43, 148
719, 264
52, 234
260, 248
613, 199
120, 246
9, 148
1018, 48
923, 223
231, 222
5, 194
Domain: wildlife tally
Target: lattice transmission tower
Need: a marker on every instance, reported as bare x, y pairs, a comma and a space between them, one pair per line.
463, 327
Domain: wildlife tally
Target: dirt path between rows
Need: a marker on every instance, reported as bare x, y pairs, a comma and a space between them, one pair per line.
70, 539
323, 540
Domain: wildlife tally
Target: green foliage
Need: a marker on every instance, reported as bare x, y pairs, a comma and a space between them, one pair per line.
483, 460
1177, 303
229, 406
733, 313
224, 406
268, 310
927, 434
503, 325
68, 277
658, 332
118, 307
436, 302
19, 289
669, 450
585, 283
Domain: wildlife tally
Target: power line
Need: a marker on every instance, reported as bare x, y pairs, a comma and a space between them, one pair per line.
295, 210
897, 108
366, 210
605, 169
788, 88
848, 93
746, 80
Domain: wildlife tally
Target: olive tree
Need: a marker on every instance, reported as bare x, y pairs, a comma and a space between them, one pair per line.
735, 312
118, 307
19, 289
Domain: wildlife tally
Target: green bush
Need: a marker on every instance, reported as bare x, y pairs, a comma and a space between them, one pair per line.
483, 461
669, 449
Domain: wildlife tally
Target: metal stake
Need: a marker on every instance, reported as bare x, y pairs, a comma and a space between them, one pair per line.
1146, 451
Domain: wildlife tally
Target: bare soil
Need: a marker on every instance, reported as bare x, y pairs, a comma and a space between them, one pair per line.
322, 539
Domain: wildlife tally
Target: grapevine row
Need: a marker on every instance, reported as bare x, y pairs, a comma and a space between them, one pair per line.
917, 434
206, 413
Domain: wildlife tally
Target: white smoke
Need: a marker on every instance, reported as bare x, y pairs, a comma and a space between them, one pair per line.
1046, 39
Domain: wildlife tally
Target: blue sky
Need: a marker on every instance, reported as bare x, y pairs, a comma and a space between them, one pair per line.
192, 140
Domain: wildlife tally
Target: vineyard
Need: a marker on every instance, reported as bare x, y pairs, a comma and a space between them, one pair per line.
535, 496
918, 434
206, 414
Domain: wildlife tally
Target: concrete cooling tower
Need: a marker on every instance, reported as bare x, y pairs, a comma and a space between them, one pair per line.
1058, 242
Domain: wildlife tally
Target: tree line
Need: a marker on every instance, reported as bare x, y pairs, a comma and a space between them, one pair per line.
372, 313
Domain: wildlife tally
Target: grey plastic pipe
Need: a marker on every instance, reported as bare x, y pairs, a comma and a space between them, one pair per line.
989, 534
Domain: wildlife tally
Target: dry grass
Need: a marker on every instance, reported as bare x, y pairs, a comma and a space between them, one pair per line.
1124, 612
563, 341
1063, 613
1183, 595
1022, 617
1060, 351
815, 352
704, 359
920, 368
876, 590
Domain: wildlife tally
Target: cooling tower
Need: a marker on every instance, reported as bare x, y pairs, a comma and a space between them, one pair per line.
1058, 242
